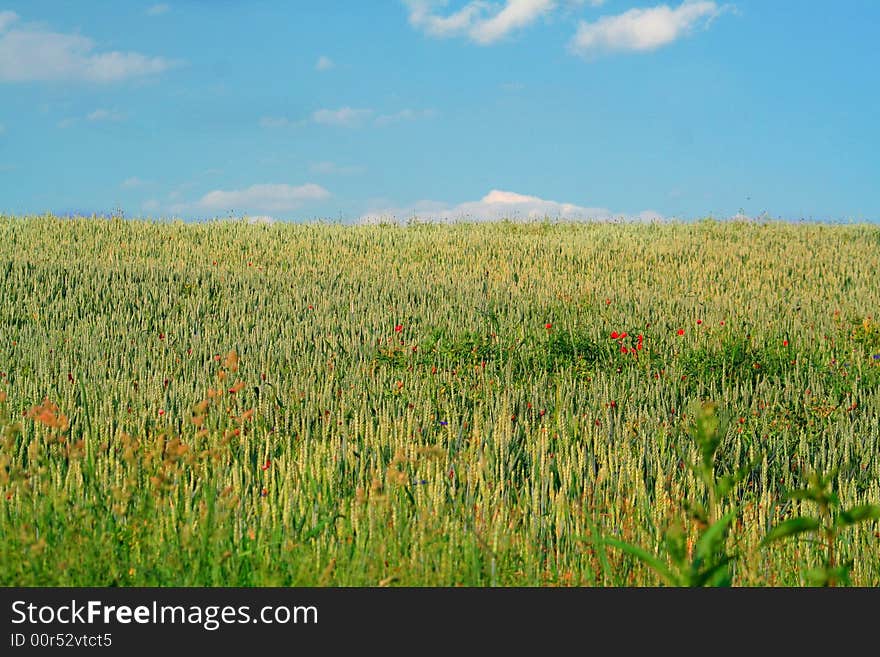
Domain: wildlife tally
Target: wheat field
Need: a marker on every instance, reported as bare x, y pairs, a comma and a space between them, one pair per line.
221, 403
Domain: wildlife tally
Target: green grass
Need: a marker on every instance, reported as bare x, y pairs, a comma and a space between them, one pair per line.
473, 446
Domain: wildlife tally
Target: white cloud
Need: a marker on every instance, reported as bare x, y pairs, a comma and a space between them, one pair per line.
643, 29
262, 219
324, 63
93, 117
265, 197
332, 169
345, 116
30, 52
498, 205
421, 17
158, 10
7, 18
481, 21
105, 115
514, 15
133, 183
405, 115
177, 193
152, 205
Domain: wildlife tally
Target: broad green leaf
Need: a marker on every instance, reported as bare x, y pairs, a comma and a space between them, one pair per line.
696, 511
818, 576
675, 542
713, 538
858, 514
649, 559
599, 542
791, 527
718, 575
723, 485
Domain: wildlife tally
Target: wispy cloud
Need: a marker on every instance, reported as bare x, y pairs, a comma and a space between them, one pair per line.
32, 52
158, 10
422, 16
345, 116
324, 63
333, 169
177, 193
7, 18
348, 117
498, 204
515, 14
95, 116
133, 183
643, 29
480, 21
105, 115
263, 197
262, 219
2, 129
405, 115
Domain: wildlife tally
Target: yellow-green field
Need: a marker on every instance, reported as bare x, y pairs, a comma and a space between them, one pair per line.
235, 404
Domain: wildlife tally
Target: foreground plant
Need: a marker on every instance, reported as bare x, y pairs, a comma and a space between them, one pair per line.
827, 525
709, 563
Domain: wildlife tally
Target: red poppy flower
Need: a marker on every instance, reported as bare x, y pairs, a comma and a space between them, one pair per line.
681, 331
161, 411
614, 335
623, 335
785, 343
398, 328
267, 465
699, 321
624, 350
548, 326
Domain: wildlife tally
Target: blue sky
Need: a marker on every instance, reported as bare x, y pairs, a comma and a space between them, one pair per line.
323, 109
